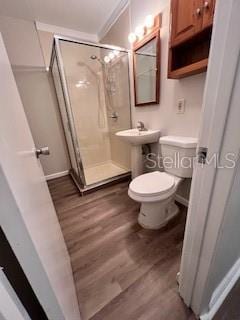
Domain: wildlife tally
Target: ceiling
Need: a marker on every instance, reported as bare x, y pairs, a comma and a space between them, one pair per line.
87, 16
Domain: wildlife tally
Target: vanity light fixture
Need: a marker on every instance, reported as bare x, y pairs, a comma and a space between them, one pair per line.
132, 37
139, 31
142, 29
149, 21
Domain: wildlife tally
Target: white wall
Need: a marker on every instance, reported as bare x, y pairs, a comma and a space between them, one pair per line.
46, 42
163, 116
118, 33
21, 41
41, 107
36, 91
138, 11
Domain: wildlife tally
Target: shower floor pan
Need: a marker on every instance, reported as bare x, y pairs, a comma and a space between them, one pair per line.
102, 172
100, 175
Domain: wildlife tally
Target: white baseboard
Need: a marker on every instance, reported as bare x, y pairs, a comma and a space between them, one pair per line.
181, 200
222, 291
56, 175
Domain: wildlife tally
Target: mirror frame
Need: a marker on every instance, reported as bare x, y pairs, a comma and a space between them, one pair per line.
154, 34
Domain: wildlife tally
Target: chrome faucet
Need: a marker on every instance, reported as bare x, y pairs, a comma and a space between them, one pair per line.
140, 126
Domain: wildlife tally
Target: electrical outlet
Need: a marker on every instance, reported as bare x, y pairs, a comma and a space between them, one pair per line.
181, 106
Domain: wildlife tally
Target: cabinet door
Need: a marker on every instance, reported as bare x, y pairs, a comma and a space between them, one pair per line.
208, 13
186, 19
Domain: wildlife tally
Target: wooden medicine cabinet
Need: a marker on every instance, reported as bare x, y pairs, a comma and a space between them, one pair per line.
191, 30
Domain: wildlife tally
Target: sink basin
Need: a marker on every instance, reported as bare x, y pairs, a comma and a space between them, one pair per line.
136, 137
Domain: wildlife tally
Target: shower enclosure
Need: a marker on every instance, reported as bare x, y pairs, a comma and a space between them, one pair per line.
92, 86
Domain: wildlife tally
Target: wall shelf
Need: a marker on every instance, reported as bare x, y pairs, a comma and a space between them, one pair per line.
190, 57
190, 39
189, 70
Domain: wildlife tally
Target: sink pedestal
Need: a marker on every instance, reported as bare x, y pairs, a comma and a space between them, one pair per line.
138, 138
136, 160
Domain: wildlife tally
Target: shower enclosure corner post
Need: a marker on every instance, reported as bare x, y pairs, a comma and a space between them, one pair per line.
71, 125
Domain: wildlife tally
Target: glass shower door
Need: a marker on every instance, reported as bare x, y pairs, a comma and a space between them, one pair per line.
97, 84
67, 121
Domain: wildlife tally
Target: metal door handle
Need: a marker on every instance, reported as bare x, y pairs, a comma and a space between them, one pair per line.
42, 151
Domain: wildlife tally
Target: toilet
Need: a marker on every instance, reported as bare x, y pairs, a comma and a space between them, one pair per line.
156, 190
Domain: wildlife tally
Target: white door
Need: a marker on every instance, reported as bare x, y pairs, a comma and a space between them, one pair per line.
213, 182
32, 227
10, 306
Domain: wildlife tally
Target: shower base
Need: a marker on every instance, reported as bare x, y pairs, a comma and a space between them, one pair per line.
102, 172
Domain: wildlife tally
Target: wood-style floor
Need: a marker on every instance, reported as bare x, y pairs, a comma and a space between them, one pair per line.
121, 270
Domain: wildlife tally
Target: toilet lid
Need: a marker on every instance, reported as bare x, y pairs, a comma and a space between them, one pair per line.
150, 184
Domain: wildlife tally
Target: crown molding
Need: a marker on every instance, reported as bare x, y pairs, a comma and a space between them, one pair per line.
115, 14
66, 32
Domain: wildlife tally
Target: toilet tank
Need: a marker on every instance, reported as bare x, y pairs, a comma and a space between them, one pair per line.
178, 155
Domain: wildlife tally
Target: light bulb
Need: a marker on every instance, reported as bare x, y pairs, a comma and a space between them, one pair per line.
132, 37
149, 21
116, 53
106, 59
111, 55
139, 31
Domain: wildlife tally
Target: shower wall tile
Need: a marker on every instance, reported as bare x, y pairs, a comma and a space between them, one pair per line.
86, 90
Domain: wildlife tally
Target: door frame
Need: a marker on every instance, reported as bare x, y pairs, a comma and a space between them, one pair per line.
199, 245
10, 305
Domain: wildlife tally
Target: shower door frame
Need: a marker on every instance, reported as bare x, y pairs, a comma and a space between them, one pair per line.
80, 180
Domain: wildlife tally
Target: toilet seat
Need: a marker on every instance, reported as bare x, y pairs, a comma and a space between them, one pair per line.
154, 186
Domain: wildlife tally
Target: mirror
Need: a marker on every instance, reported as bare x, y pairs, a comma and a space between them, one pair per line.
147, 70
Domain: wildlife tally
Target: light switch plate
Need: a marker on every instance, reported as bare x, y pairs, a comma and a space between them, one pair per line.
181, 106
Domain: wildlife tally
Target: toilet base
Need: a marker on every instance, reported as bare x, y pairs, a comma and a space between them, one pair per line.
155, 215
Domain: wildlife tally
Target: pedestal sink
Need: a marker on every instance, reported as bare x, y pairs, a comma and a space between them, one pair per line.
137, 138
